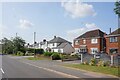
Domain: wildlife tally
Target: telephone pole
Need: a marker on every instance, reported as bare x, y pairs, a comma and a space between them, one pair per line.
34, 43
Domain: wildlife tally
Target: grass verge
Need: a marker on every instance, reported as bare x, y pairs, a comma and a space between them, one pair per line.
37, 58
105, 70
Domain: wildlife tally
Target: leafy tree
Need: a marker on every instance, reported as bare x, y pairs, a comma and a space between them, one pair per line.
117, 8
18, 44
7, 46
117, 11
13, 46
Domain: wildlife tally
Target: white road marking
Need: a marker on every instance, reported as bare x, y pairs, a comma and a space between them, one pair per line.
61, 73
2, 70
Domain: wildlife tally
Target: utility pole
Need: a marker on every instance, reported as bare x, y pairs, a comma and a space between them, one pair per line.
34, 43
16, 34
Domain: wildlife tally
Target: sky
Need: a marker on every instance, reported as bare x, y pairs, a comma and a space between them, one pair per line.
48, 19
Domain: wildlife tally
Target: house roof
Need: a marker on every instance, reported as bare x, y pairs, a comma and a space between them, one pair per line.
117, 31
58, 40
93, 33
62, 45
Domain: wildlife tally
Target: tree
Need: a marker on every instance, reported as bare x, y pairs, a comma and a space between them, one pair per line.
7, 46
13, 46
117, 11
18, 44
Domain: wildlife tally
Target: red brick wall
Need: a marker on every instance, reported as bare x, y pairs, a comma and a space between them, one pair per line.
89, 45
112, 44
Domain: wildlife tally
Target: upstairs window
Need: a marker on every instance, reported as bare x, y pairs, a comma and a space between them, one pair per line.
113, 39
76, 42
53, 44
94, 41
84, 41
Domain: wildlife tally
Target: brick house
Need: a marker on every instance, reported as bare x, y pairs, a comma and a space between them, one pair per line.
90, 42
113, 42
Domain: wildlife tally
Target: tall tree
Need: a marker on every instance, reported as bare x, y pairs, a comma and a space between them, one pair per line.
117, 11
18, 44
7, 46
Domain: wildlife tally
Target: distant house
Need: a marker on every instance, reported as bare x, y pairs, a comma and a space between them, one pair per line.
113, 42
44, 45
36, 45
60, 45
90, 42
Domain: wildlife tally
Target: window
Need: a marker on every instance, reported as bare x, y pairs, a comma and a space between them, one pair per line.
94, 50
53, 44
113, 39
76, 42
84, 41
113, 51
94, 41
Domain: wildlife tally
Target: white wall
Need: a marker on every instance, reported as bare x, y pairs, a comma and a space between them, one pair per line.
77, 50
50, 45
55, 50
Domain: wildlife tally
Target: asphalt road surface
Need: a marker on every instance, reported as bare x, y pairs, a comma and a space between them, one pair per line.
17, 67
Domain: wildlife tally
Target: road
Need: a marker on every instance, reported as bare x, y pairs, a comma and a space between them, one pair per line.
17, 67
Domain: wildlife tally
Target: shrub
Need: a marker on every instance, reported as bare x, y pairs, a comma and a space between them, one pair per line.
39, 51
100, 63
29, 54
19, 53
107, 63
55, 56
48, 54
92, 62
30, 50
85, 62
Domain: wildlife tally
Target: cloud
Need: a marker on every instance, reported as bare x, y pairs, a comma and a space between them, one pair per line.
72, 34
24, 24
78, 9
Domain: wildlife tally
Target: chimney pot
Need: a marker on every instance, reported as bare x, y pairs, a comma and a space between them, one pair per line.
54, 36
110, 30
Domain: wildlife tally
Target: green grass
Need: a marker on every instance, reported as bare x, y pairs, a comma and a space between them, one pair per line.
37, 58
105, 70
34, 58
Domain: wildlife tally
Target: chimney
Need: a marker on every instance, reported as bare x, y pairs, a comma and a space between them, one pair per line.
54, 37
44, 40
110, 30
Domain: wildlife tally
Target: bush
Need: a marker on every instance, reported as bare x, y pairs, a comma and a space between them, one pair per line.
107, 63
100, 63
19, 53
92, 62
30, 50
55, 56
85, 62
48, 54
39, 51
29, 54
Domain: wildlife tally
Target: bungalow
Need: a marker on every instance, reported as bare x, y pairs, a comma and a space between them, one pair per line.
36, 45
90, 42
113, 42
60, 45
44, 44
